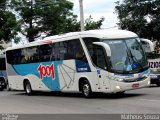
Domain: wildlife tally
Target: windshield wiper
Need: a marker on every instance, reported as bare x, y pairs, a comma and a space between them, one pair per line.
134, 58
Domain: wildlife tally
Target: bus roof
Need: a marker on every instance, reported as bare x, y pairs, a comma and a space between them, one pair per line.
102, 34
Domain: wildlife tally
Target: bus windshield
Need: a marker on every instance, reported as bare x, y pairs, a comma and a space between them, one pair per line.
127, 55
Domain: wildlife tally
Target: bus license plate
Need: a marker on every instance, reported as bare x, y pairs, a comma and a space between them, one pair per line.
135, 85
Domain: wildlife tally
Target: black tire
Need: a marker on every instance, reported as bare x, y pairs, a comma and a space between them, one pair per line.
1, 89
86, 89
28, 88
7, 87
120, 93
158, 84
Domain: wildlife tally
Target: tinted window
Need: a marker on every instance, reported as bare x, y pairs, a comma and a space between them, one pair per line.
32, 54
21, 56
76, 50
10, 56
89, 44
14, 56
59, 51
45, 52
66, 50
98, 56
97, 53
2, 64
89, 41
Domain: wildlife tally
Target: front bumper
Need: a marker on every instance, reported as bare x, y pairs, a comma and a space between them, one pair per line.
122, 86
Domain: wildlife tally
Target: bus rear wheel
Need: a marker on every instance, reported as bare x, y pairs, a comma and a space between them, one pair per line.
86, 89
28, 88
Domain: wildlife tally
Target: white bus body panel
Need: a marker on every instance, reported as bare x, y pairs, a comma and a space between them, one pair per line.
66, 76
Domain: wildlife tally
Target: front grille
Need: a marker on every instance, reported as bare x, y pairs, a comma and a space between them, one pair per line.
134, 79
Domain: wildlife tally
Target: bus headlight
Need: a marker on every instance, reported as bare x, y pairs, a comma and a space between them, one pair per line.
118, 87
149, 82
119, 79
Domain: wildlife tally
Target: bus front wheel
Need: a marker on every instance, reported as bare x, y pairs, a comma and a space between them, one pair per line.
86, 89
28, 88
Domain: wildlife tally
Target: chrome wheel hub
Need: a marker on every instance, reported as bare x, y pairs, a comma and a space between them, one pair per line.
86, 89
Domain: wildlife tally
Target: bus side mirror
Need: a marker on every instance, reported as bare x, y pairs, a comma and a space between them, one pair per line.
105, 46
147, 45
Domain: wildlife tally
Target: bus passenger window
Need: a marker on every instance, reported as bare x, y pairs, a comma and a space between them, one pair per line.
23, 59
70, 50
89, 41
2, 64
98, 56
18, 56
52, 57
33, 54
24, 56
45, 52
59, 50
10, 57
79, 52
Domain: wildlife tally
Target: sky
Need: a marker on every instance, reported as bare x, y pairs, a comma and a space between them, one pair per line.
98, 9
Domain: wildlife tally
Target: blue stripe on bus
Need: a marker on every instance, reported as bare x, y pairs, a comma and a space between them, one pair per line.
146, 72
32, 68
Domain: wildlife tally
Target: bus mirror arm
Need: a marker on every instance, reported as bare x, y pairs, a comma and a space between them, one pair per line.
105, 46
149, 47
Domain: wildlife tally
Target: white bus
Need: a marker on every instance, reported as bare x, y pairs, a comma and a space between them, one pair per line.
153, 62
108, 61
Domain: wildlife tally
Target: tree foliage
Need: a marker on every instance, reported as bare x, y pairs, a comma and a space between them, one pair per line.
9, 26
91, 24
140, 16
50, 17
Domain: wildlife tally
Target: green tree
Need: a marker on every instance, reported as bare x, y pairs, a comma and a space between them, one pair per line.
9, 26
91, 24
50, 17
140, 16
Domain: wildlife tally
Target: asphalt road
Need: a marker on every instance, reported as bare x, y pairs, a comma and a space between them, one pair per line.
146, 100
